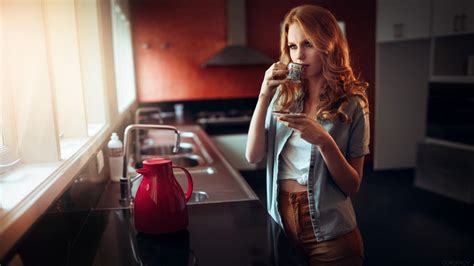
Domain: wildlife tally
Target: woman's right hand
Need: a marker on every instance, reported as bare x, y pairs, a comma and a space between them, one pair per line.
256, 141
274, 76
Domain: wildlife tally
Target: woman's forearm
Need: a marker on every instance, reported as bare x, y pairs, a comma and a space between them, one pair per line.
256, 141
343, 173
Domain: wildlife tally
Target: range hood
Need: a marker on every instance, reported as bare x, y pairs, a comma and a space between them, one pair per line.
236, 52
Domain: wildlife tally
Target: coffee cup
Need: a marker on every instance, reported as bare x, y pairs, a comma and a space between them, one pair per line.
295, 72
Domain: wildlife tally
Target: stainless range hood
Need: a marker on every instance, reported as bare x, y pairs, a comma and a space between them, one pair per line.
236, 51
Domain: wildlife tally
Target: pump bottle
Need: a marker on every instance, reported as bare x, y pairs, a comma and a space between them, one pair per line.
115, 157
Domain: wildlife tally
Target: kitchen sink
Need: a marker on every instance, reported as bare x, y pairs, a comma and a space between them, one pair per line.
166, 149
184, 160
198, 196
191, 154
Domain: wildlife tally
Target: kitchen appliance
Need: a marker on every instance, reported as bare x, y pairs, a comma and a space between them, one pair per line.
450, 113
445, 159
237, 52
160, 204
224, 122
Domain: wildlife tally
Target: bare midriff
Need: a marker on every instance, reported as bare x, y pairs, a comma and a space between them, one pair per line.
289, 185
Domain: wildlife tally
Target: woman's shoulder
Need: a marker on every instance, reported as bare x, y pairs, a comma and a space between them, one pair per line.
357, 103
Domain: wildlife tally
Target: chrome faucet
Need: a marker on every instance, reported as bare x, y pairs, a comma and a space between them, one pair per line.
138, 112
148, 109
125, 180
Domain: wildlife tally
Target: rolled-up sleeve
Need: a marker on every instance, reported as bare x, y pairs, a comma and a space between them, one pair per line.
360, 132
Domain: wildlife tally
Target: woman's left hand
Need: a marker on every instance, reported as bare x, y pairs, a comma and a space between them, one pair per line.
308, 128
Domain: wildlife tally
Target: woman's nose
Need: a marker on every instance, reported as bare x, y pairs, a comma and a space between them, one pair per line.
300, 54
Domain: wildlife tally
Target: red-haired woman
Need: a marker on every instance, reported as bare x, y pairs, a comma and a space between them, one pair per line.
314, 160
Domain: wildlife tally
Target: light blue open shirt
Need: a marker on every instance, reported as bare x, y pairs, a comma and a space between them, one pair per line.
331, 210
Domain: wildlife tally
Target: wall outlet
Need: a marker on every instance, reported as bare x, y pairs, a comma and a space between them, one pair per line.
100, 161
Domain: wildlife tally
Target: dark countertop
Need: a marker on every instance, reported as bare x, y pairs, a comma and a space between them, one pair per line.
233, 233
83, 228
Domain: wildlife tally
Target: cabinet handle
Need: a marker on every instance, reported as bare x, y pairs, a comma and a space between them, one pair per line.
456, 21
398, 30
463, 22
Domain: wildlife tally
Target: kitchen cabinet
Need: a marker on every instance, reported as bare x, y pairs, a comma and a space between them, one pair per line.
408, 62
453, 41
452, 17
400, 102
446, 168
403, 20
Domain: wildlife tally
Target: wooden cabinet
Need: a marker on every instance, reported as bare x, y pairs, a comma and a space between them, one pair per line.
452, 17
403, 20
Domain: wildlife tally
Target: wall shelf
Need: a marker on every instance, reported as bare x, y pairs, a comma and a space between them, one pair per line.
451, 79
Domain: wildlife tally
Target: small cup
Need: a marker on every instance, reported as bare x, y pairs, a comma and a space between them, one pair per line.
179, 110
295, 72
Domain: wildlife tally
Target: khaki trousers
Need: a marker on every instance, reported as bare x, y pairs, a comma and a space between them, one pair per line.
347, 249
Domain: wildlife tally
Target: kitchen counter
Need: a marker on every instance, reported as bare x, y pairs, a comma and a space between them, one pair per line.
87, 226
231, 233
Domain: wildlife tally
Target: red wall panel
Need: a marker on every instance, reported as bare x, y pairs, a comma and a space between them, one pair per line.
173, 37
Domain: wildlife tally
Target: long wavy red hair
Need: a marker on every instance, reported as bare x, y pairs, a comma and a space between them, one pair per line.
322, 30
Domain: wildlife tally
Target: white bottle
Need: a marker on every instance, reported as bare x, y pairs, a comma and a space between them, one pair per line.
115, 157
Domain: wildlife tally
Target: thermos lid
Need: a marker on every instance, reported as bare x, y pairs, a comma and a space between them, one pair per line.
155, 162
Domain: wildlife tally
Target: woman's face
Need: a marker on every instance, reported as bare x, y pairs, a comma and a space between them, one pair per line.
302, 51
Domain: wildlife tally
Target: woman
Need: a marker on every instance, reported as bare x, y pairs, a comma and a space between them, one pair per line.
315, 160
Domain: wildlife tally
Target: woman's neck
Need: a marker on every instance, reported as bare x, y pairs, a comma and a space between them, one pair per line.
313, 89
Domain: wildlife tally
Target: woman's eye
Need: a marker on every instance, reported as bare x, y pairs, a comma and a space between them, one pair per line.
308, 44
292, 46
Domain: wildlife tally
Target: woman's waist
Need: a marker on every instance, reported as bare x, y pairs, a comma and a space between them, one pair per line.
291, 185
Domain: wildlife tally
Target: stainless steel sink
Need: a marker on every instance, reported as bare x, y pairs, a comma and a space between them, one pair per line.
191, 150
197, 197
214, 179
184, 160
166, 149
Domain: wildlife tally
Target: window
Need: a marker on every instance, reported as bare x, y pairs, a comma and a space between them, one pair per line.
8, 147
57, 99
1, 135
123, 55
76, 71
93, 79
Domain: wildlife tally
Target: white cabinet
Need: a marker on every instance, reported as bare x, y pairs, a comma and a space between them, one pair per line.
452, 17
453, 41
400, 102
418, 42
403, 20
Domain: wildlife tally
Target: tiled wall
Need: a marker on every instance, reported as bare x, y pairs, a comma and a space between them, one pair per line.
172, 38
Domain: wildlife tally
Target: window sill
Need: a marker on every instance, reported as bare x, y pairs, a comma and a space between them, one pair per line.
20, 182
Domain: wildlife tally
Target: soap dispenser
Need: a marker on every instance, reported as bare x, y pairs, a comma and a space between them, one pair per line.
115, 157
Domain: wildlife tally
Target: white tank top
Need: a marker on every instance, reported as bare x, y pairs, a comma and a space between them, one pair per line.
294, 160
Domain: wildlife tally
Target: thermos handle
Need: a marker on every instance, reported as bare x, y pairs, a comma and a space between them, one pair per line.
189, 191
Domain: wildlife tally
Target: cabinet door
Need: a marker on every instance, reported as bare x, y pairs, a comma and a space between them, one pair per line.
400, 102
403, 20
453, 17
